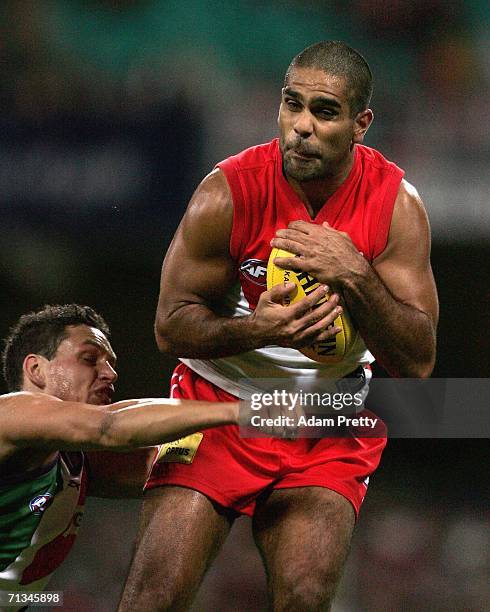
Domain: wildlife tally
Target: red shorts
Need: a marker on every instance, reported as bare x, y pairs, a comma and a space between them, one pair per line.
234, 471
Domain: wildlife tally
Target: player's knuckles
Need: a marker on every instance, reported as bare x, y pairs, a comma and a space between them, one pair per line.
310, 309
285, 329
318, 314
313, 318
287, 234
316, 296
288, 263
330, 318
305, 314
320, 326
288, 315
300, 225
281, 233
264, 298
277, 293
301, 335
295, 329
287, 245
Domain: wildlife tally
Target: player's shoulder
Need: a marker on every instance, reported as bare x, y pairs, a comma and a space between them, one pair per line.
16, 397
251, 157
371, 158
409, 229
410, 223
408, 201
211, 201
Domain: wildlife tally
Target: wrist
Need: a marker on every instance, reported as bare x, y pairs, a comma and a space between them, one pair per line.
254, 337
232, 411
357, 273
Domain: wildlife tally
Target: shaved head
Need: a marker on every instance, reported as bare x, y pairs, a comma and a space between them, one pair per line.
338, 59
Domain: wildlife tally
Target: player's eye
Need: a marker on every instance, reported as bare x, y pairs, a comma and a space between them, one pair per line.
325, 113
91, 359
292, 105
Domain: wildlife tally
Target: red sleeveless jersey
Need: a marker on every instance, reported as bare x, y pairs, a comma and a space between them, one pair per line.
234, 471
264, 202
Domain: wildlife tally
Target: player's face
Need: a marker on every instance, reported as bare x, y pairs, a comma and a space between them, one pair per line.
82, 370
315, 125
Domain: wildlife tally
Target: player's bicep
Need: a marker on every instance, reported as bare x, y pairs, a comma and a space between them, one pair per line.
198, 268
36, 420
404, 266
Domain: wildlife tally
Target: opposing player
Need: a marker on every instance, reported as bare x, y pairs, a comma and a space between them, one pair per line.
361, 229
60, 367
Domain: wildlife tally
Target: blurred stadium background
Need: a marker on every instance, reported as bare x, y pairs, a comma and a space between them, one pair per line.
112, 111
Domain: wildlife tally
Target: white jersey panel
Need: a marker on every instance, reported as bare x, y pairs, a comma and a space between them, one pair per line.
236, 373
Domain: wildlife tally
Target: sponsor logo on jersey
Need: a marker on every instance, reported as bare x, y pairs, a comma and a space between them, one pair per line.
39, 503
180, 451
255, 270
177, 451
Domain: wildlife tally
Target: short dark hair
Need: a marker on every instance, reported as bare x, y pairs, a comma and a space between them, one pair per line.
41, 332
338, 59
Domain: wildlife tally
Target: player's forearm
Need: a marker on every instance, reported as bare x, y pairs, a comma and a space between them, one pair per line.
38, 420
402, 338
196, 332
157, 421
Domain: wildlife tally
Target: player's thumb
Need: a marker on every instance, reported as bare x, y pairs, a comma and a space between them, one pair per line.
279, 292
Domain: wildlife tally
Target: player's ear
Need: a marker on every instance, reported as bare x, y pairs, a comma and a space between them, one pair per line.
361, 125
34, 369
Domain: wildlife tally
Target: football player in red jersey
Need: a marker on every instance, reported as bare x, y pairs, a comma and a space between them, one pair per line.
356, 226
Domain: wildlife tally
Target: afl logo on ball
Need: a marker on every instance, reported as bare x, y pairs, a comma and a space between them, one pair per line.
255, 270
39, 503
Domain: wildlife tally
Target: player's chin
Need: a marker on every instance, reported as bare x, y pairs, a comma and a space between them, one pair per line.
302, 169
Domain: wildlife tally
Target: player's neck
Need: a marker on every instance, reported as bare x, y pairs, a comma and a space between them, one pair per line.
314, 194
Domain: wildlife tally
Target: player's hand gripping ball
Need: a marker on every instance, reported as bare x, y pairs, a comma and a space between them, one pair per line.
331, 350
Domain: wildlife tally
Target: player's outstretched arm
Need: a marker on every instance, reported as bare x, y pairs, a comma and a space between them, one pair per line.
37, 420
394, 300
198, 272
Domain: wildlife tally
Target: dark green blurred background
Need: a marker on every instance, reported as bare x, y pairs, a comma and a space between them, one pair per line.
112, 111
